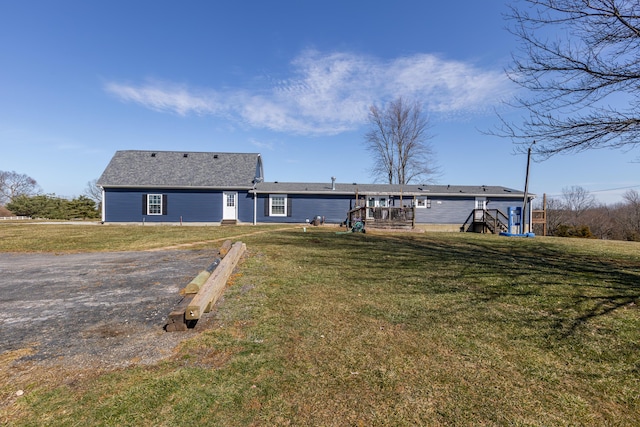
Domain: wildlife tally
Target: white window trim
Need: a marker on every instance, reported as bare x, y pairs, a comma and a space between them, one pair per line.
377, 202
282, 196
149, 204
421, 202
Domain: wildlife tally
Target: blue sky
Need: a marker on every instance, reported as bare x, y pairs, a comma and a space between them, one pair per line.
292, 80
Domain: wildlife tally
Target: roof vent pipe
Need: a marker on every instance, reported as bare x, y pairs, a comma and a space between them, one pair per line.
333, 183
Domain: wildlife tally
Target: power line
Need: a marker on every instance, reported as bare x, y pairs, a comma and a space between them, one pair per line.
614, 189
599, 191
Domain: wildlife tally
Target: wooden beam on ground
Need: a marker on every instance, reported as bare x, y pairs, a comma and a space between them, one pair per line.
212, 289
194, 286
176, 320
225, 248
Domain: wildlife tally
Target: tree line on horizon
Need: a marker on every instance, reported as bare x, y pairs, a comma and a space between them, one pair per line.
577, 213
20, 195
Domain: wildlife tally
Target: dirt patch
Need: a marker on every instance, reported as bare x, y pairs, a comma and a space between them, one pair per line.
93, 310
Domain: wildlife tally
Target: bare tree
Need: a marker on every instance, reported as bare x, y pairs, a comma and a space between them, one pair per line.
629, 216
93, 192
580, 62
601, 221
398, 140
556, 215
14, 184
577, 212
577, 200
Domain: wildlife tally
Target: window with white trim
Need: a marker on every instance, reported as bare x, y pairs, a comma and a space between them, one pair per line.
277, 205
422, 202
154, 204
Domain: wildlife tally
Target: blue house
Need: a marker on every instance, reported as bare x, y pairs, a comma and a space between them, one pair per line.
176, 186
204, 187
436, 207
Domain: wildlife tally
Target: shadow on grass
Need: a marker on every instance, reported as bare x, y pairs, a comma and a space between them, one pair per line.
566, 289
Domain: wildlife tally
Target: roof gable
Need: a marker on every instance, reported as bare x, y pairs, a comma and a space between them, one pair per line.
133, 168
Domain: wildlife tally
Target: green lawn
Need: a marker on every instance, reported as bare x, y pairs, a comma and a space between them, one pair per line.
321, 328
94, 237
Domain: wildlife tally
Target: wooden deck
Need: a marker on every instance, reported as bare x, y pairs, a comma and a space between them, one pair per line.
383, 217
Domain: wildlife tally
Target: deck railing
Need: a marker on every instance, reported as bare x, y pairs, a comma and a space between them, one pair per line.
383, 217
481, 220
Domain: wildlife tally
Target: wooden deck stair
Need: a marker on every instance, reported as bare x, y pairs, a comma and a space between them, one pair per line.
486, 220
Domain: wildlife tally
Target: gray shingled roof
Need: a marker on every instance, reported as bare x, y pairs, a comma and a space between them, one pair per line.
179, 169
184, 169
386, 189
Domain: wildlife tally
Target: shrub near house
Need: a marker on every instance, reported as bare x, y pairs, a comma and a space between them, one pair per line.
52, 207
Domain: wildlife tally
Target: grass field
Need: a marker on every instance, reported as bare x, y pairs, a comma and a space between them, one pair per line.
321, 328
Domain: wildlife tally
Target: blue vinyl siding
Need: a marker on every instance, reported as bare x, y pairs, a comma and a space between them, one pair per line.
122, 205
503, 204
456, 210
303, 207
445, 210
245, 206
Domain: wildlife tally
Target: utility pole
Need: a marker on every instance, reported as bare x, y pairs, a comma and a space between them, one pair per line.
526, 191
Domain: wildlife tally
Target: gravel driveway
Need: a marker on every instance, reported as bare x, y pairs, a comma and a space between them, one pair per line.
98, 309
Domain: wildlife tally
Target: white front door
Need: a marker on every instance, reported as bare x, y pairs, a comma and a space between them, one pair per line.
481, 203
230, 205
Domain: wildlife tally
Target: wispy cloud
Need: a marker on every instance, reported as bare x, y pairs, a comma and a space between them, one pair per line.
330, 93
162, 96
261, 144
